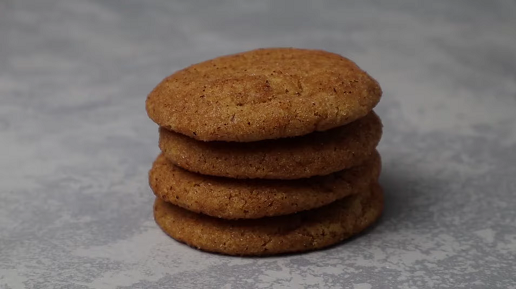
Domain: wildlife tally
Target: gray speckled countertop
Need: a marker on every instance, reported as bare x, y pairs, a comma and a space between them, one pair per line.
76, 144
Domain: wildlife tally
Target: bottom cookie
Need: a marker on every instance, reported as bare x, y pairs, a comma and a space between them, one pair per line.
299, 232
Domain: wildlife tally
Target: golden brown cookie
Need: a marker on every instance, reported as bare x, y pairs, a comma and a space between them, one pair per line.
300, 232
263, 94
250, 199
318, 153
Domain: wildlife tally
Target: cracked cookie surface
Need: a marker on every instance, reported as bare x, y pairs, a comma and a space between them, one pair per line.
299, 232
250, 199
318, 153
263, 94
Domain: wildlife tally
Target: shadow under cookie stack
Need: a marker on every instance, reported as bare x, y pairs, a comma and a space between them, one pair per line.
267, 152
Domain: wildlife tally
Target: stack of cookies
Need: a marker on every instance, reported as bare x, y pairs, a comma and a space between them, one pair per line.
266, 152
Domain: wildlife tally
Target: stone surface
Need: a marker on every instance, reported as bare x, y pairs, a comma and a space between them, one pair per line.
76, 144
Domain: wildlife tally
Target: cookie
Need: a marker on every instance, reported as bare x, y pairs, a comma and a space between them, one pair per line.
318, 153
300, 232
263, 94
249, 199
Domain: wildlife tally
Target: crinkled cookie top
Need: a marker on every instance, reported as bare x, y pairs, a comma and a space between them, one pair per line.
263, 94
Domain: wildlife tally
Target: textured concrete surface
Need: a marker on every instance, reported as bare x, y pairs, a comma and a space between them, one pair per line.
76, 144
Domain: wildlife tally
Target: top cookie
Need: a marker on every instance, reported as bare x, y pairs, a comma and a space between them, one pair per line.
263, 94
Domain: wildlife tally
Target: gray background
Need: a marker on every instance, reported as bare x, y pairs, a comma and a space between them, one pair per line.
76, 144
